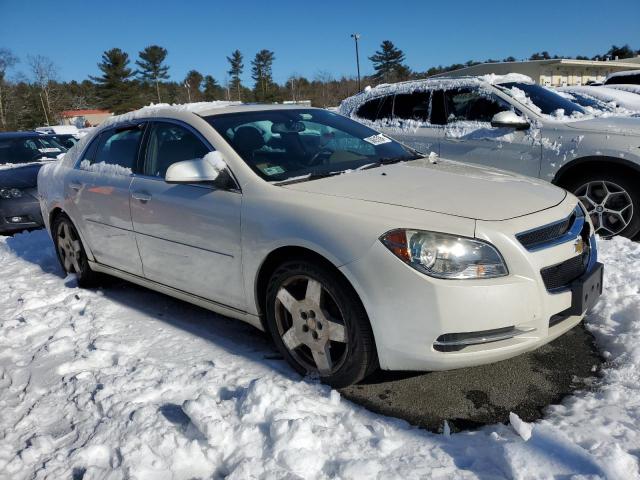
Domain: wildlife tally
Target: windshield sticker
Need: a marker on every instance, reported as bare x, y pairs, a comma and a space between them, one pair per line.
272, 170
49, 150
377, 139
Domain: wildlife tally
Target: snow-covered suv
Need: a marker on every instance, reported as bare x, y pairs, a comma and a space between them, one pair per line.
511, 123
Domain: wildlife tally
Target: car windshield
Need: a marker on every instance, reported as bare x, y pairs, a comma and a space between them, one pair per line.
23, 149
305, 144
541, 100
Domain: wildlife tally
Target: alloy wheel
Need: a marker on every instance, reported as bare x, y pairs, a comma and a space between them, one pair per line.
69, 248
608, 204
311, 325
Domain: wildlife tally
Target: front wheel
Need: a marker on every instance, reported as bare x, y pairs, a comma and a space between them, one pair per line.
319, 324
71, 253
612, 201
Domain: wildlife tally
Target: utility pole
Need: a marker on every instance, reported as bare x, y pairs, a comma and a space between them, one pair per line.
356, 37
186, 85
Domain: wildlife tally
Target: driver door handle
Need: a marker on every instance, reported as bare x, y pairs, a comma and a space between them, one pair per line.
75, 185
141, 196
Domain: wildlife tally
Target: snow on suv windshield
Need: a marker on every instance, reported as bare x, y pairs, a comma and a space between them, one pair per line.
542, 100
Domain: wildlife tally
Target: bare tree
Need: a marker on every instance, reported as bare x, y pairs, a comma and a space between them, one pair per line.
44, 73
324, 78
7, 60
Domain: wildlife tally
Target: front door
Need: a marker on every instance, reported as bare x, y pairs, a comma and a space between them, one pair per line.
188, 235
470, 137
99, 190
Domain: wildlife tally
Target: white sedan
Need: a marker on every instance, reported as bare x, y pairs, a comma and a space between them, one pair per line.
350, 249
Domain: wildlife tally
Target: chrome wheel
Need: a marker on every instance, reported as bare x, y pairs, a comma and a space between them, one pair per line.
608, 204
69, 247
311, 325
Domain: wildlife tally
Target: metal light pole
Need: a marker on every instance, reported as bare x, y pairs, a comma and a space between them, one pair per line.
356, 37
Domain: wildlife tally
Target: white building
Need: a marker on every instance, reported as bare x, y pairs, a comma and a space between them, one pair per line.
557, 72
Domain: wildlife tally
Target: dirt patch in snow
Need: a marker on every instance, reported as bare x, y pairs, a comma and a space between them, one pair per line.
468, 398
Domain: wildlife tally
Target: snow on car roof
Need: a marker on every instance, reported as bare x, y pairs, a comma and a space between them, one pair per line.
430, 83
624, 73
200, 108
621, 98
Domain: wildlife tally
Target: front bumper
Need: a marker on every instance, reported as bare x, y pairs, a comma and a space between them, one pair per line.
19, 214
417, 320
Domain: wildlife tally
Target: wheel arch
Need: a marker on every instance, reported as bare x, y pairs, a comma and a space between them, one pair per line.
56, 212
593, 162
277, 257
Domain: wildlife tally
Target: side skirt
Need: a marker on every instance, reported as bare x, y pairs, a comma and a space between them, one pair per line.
216, 307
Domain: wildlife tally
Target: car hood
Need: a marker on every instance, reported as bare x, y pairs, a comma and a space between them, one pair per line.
19, 176
610, 125
447, 187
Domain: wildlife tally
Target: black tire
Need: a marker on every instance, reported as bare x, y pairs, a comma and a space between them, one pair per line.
85, 276
627, 182
358, 356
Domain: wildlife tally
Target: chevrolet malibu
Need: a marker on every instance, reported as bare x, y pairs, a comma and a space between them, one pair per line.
353, 251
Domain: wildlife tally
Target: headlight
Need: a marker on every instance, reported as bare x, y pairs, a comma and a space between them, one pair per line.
442, 255
10, 193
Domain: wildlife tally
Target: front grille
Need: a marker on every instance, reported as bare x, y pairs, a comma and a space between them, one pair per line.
561, 275
546, 234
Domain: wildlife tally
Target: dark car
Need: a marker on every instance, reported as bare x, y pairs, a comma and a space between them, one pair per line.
21, 156
64, 139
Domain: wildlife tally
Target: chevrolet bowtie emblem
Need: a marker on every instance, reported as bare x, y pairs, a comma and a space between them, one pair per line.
579, 245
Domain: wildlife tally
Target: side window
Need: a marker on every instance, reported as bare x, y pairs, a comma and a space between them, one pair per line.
412, 106
376, 109
89, 154
369, 110
385, 111
117, 148
466, 104
170, 143
438, 114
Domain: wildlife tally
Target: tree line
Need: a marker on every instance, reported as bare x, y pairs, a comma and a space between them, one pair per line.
39, 97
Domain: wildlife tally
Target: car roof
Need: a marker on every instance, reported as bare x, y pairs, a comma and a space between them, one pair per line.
10, 135
202, 109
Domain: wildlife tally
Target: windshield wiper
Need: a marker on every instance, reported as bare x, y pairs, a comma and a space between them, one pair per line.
387, 161
306, 178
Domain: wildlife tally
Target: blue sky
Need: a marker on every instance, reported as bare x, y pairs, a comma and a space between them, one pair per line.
308, 37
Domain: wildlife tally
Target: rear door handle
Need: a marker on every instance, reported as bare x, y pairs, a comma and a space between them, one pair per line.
141, 196
75, 186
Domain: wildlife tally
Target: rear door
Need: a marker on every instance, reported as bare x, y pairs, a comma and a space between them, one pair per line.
188, 235
99, 190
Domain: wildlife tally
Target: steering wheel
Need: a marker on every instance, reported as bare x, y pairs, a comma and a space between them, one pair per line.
320, 158
36, 156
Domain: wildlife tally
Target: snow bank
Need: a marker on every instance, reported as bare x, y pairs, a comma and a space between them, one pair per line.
126, 383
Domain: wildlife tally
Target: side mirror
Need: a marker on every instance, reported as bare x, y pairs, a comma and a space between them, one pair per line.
199, 170
509, 119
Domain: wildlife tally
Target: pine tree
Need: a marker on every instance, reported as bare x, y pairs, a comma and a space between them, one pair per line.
115, 88
261, 73
235, 70
151, 66
212, 89
192, 82
388, 63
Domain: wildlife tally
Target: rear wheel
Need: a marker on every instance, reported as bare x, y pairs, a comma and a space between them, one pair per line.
71, 253
612, 201
319, 324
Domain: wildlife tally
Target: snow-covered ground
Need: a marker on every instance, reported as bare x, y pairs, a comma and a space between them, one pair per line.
126, 383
